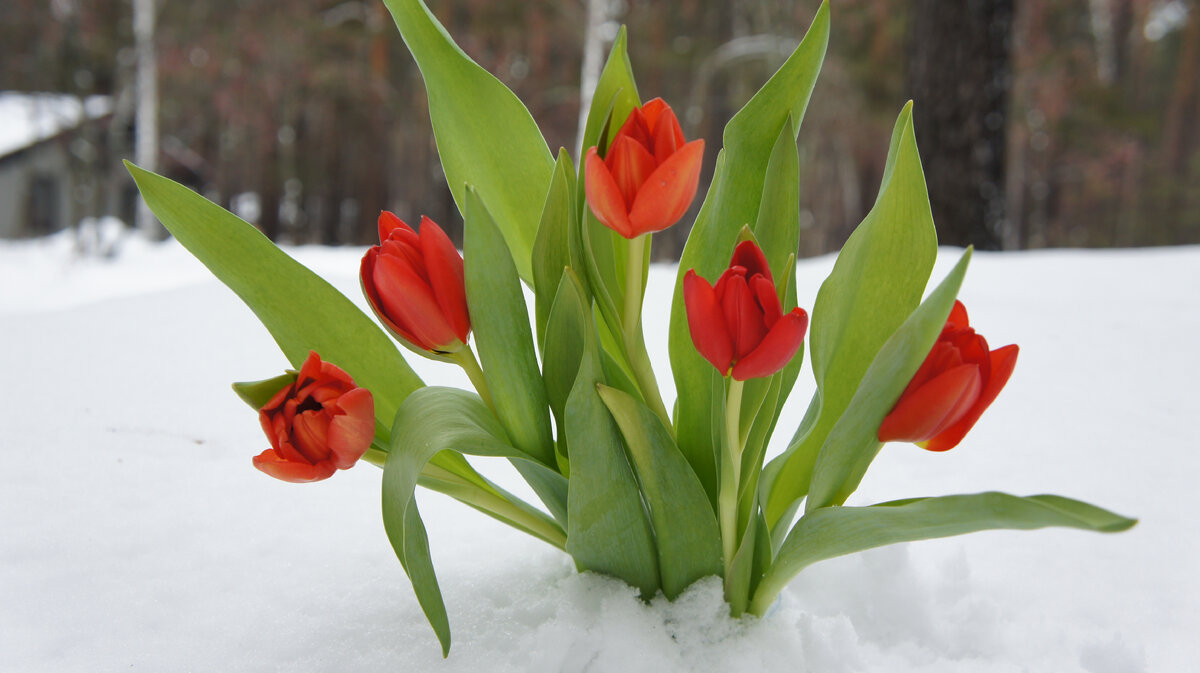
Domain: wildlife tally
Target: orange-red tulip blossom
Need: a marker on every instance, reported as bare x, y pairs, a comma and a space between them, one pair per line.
414, 283
739, 323
955, 384
320, 423
648, 177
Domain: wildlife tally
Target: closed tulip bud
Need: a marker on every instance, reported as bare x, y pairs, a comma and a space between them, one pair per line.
414, 283
319, 423
955, 384
739, 325
648, 177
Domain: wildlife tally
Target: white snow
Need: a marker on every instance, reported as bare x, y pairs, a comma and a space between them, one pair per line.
137, 536
28, 118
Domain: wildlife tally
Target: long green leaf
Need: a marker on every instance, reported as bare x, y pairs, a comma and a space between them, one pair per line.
732, 202
299, 308
500, 321
836, 531
607, 528
854, 442
685, 528
430, 421
485, 135
615, 97
552, 249
875, 284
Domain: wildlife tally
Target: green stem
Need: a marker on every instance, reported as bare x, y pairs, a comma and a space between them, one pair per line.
444, 481
631, 330
731, 464
465, 358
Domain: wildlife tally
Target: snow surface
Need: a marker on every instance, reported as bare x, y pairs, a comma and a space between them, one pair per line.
137, 536
27, 118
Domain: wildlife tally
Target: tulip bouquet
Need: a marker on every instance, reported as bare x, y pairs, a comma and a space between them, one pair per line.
658, 495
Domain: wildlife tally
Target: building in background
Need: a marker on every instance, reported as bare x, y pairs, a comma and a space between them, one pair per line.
55, 164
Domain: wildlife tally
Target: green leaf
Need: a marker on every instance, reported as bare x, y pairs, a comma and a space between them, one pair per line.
607, 528
777, 227
433, 420
685, 529
500, 321
485, 135
875, 284
301, 311
836, 531
552, 249
615, 97
258, 393
565, 336
854, 442
733, 201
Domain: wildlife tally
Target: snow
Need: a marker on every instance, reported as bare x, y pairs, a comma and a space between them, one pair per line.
28, 118
137, 536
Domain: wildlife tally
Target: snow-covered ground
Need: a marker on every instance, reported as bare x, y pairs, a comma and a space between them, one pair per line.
137, 536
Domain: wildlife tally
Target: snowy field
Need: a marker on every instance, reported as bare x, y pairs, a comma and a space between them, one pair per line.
137, 536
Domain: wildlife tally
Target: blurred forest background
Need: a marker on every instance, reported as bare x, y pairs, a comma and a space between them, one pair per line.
1067, 123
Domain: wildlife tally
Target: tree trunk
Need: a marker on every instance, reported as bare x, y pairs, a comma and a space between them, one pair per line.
146, 117
959, 74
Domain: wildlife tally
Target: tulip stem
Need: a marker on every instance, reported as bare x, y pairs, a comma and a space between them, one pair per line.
631, 330
466, 359
731, 473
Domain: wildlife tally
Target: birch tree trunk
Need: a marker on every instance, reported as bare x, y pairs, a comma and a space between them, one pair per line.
596, 39
145, 140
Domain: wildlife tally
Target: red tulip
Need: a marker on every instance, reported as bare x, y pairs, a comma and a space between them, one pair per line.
319, 423
740, 322
414, 283
958, 380
649, 176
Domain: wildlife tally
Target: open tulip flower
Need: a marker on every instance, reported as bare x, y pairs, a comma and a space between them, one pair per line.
740, 323
414, 283
649, 176
955, 384
319, 423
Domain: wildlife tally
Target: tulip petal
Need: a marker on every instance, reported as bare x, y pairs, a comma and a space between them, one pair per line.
1003, 361
310, 435
942, 356
667, 135
930, 409
445, 268
389, 222
366, 276
742, 317
768, 299
706, 322
271, 463
652, 110
630, 164
667, 193
749, 256
958, 315
636, 127
408, 301
777, 348
351, 432
603, 196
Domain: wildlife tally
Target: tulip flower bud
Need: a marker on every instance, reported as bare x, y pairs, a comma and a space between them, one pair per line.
739, 323
648, 177
955, 384
414, 283
319, 423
